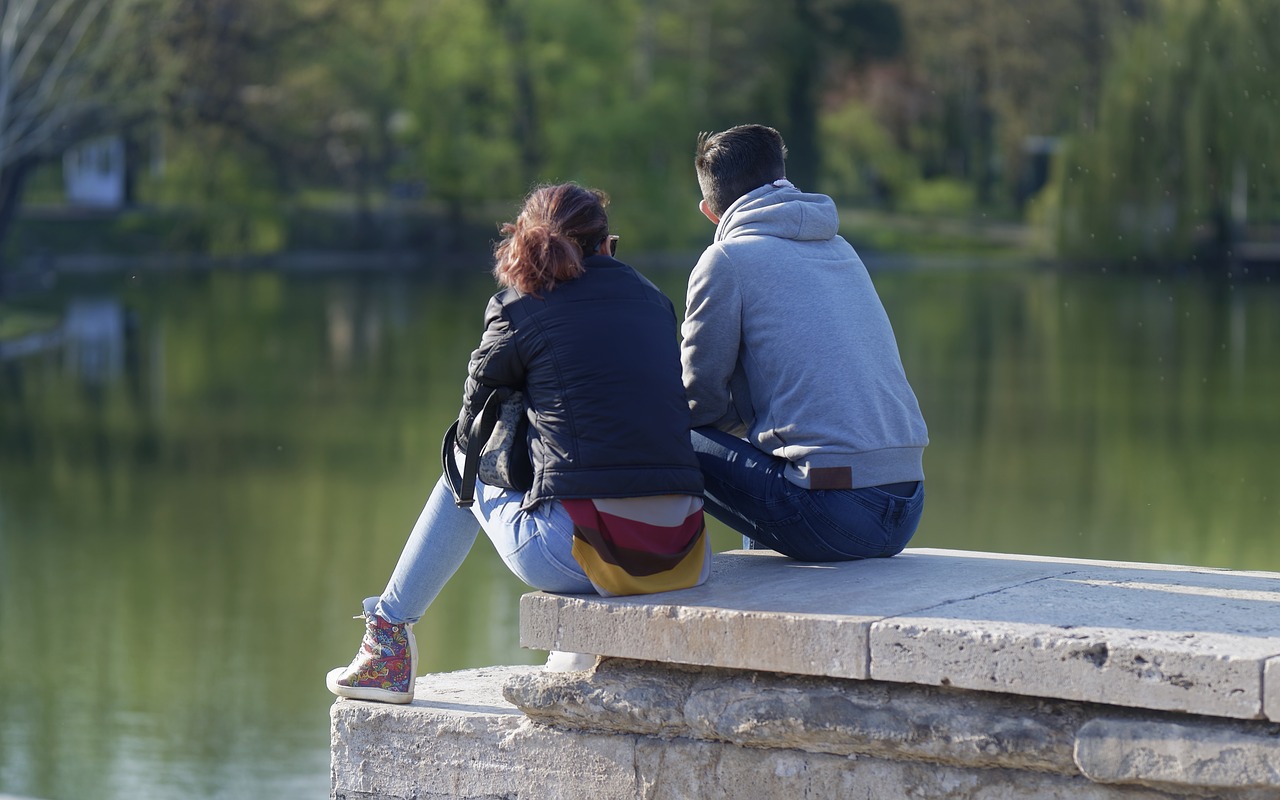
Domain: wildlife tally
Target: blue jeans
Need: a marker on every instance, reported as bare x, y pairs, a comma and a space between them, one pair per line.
536, 545
746, 490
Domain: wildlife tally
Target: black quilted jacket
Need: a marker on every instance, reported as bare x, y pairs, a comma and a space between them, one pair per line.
599, 362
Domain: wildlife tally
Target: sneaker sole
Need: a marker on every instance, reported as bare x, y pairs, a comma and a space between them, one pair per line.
365, 692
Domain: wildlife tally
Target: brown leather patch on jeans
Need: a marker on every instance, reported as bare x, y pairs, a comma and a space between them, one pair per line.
831, 477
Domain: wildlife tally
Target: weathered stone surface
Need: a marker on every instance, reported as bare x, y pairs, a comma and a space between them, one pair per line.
460, 740
618, 696
819, 715
762, 611
1209, 757
682, 770
983, 669
1271, 689
1178, 640
1148, 636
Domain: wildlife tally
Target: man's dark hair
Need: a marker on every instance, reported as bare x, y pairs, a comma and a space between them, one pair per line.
734, 162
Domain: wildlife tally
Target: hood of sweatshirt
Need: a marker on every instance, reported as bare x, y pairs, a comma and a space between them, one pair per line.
782, 211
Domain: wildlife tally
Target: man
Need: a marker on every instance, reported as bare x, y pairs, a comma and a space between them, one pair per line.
787, 344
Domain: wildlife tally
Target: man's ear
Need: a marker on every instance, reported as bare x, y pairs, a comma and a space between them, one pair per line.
705, 208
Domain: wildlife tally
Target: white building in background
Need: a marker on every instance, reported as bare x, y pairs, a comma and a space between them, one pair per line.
94, 337
93, 173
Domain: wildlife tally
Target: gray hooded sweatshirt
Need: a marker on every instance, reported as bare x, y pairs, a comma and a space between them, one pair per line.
787, 344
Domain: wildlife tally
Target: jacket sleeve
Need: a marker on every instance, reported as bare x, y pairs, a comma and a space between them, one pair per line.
494, 364
712, 333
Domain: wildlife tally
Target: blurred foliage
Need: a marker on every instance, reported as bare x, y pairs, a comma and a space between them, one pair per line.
246, 217
921, 236
68, 70
940, 196
1154, 119
16, 322
1187, 139
863, 162
983, 75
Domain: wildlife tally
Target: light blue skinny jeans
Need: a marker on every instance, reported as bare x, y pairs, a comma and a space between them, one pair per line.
536, 545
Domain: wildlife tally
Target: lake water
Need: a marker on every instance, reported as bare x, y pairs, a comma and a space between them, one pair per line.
198, 486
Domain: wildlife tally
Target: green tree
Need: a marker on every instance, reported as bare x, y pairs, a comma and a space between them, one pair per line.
986, 74
244, 116
566, 90
828, 38
462, 104
1188, 131
359, 93
777, 63
64, 66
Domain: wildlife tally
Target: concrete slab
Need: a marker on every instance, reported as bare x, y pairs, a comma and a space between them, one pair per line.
1142, 635
1271, 690
1175, 640
460, 740
1182, 758
762, 611
836, 716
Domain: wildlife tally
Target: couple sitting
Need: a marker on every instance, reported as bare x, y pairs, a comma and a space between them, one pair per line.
785, 411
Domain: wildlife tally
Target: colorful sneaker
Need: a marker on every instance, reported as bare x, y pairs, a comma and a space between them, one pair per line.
384, 668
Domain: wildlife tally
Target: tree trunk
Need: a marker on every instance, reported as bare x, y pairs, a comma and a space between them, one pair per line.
524, 122
12, 178
803, 95
802, 138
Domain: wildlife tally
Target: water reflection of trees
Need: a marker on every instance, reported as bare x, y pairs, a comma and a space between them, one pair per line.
208, 578
1103, 417
204, 578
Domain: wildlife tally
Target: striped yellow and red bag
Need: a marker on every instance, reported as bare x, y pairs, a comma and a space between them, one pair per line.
639, 545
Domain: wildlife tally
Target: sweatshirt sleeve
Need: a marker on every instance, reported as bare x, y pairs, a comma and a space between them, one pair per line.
712, 332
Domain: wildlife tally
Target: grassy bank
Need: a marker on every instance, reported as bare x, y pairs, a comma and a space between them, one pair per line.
17, 322
49, 232
935, 235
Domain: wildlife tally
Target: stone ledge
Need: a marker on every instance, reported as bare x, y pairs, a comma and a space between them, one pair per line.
1271, 689
1178, 753
1186, 755
460, 739
1193, 640
635, 730
836, 716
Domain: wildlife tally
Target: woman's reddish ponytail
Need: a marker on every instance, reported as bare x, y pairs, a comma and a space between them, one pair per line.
545, 245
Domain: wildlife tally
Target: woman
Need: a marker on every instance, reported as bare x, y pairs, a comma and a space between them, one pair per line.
616, 504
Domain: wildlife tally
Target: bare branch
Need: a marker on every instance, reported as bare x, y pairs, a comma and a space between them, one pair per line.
34, 39
51, 52
68, 48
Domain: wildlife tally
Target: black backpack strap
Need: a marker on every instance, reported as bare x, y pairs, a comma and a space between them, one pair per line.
463, 485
